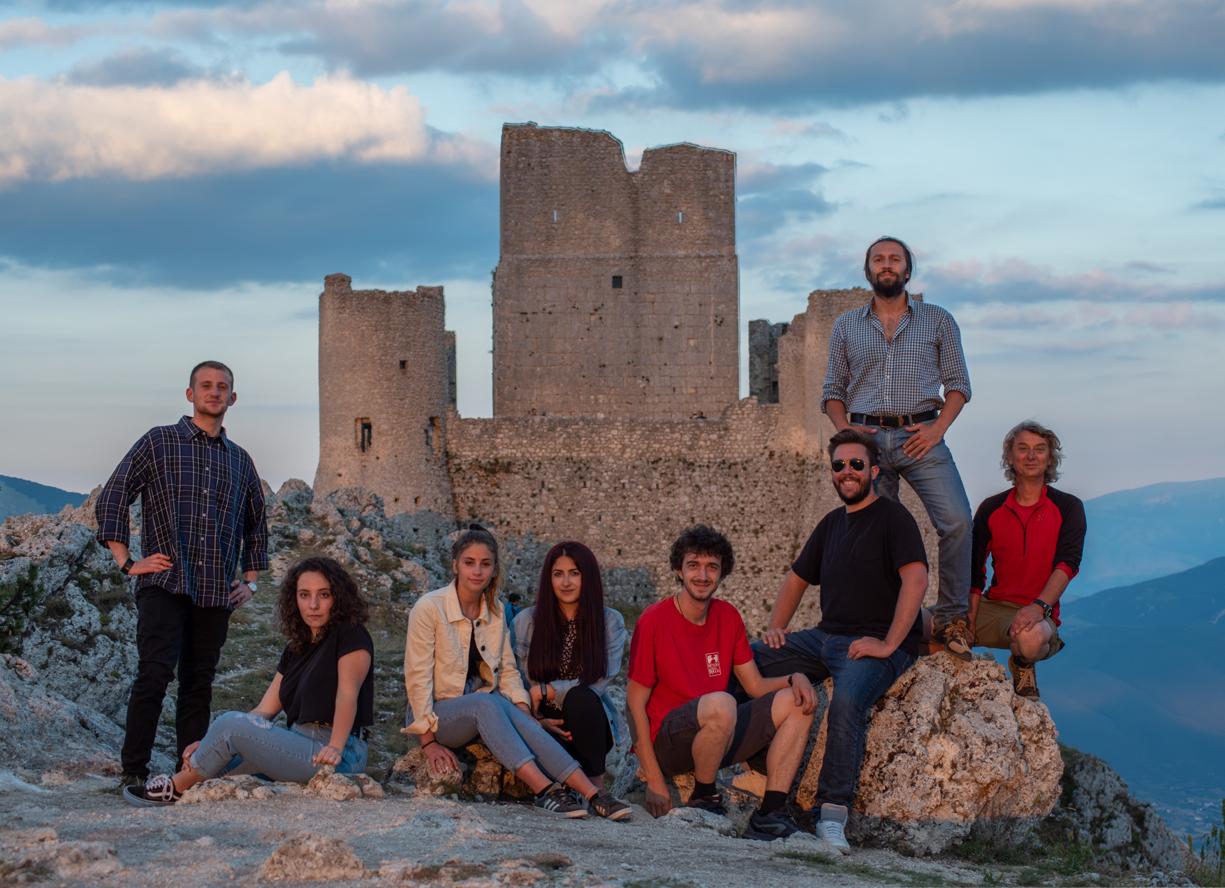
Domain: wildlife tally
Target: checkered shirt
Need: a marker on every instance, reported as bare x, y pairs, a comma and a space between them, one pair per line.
871, 375
202, 505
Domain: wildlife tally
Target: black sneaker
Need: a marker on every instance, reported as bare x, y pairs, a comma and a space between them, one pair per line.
711, 803
604, 804
559, 800
768, 827
157, 792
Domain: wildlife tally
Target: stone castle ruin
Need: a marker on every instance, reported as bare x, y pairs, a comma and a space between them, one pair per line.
616, 418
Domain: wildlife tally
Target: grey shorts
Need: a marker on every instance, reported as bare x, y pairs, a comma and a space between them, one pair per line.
994, 620
674, 742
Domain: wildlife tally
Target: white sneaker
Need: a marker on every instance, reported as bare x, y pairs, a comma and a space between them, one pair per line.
831, 828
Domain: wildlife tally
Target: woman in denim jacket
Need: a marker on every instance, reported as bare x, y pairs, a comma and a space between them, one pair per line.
568, 646
459, 671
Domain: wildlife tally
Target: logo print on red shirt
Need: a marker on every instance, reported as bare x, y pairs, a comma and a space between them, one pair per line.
713, 666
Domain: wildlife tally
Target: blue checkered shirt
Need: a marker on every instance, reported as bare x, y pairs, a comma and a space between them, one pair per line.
870, 374
202, 505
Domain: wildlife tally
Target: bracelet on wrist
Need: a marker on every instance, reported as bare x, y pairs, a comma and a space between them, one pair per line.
424, 745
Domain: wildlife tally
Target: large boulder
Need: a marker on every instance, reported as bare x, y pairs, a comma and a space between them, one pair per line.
951, 753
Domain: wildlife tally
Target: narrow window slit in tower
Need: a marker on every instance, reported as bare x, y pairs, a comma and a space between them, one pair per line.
555, 215
365, 433
680, 216
404, 365
616, 282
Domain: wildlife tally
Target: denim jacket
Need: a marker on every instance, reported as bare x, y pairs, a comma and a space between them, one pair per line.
436, 656
615, 636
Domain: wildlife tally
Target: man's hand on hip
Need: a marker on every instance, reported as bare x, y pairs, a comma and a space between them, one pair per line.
240, 593
926, 436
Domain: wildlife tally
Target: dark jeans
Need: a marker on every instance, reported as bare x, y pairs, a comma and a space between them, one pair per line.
858, 684
591, 736
171, 632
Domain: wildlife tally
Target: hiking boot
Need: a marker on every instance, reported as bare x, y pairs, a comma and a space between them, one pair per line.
605, 804
157, 792
955, 634
1024, 677
711, 803
768, 827
831, 828
559, 800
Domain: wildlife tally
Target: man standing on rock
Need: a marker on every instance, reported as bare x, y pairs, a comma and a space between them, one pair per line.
1035, 535
683, 654
888, 362
202, 517
868, 559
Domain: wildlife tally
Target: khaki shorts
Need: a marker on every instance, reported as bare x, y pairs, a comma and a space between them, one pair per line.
993, 621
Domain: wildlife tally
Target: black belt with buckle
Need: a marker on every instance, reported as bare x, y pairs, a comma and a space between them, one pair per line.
893, 422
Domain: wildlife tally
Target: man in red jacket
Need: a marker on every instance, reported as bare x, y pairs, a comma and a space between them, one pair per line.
1035, 535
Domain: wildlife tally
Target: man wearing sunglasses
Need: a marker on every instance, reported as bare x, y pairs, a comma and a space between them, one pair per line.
867, 556
897, 372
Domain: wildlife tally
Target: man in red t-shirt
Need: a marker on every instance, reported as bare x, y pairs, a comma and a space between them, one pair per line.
685, 650
1034, 535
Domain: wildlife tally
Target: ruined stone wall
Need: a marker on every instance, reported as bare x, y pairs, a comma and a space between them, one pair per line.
763, 360
628, 487
383, 395
616, 293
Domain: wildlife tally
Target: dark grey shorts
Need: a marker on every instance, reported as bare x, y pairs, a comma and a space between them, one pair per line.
674, 742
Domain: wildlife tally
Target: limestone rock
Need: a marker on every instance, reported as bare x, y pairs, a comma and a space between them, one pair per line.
479, 776
370, 788
327, 784
1096, 809
35, 855
224, 789
312, 858
951, 751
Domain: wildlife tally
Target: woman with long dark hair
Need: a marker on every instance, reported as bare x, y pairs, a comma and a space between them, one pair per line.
569, 645
323, 683
459, 671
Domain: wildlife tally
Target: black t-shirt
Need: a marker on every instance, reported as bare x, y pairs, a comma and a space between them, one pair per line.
854, 557
308, 678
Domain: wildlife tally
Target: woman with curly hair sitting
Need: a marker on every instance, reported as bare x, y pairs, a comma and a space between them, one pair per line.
323, 683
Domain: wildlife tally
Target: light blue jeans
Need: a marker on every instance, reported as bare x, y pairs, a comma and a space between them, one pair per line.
242, 743
513, 737
938, 484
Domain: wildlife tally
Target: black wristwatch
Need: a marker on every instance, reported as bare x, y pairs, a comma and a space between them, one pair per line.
127, 566
1047, 609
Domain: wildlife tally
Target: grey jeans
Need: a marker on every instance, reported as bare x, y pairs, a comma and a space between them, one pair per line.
242, 743
513, 737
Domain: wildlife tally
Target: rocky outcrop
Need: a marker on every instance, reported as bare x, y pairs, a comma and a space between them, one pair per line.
951, 752
312, 858
30, 856
1097, 810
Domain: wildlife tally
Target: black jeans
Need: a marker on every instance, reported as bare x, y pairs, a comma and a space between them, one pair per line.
171, 632
591, 737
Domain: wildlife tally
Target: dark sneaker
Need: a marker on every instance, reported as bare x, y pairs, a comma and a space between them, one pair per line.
604, 804
559, 800
956, 637
1024, 677
157, 792
711, 803
768, 827
126, 780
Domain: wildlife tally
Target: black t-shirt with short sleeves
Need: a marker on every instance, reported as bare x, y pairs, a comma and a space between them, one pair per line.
854, 557
309, 678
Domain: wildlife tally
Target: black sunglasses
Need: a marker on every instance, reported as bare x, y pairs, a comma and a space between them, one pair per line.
856, 463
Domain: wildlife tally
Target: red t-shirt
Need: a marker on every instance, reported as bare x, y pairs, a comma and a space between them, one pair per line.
679, 660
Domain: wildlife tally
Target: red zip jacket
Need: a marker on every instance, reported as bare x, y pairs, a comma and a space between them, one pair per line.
1023, 551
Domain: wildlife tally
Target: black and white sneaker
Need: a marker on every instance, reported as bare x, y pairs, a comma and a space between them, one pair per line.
604, 804
768, 827
157, 792
559, 800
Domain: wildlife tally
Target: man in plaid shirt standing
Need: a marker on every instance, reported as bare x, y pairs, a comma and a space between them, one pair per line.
897, 372
202, 518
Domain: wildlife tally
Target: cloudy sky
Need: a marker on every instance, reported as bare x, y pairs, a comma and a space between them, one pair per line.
177, 177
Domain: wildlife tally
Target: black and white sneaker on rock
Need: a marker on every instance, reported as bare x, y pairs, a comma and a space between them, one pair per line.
559, 800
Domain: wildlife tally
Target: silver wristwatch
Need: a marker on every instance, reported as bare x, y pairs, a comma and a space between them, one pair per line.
251, 585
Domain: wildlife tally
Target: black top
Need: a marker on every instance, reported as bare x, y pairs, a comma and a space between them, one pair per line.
854, 557
308, 678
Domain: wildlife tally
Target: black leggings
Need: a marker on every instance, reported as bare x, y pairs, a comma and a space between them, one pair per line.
588, 726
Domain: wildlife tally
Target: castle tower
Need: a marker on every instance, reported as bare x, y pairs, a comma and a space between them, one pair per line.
383, 395
617, 293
